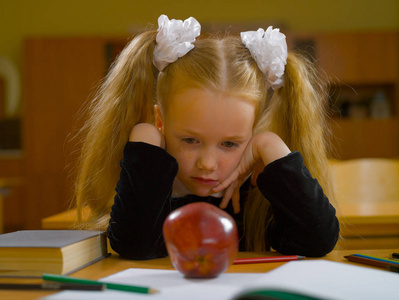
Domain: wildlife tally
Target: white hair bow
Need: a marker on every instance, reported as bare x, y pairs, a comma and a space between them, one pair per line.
174, 39
269, 49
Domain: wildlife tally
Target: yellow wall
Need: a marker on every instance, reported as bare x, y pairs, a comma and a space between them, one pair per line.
22, 18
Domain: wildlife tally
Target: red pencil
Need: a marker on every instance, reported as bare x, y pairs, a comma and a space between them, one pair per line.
269, 259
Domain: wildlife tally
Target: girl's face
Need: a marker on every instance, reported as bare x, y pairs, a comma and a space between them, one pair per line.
207, 134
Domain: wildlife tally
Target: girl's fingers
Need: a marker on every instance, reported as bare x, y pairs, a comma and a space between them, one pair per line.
227, 195
236, 199
233, 193
254, 177
227, 182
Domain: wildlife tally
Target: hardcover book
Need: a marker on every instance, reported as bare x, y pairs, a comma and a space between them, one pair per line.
30, 253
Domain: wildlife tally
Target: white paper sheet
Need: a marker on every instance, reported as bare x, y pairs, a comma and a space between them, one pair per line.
318, 278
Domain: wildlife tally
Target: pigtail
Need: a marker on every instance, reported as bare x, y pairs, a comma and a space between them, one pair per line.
298, 114
125, 98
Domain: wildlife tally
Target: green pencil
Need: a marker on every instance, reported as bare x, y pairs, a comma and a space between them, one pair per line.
108, 285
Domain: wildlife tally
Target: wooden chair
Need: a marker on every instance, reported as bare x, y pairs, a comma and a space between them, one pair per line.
367, 195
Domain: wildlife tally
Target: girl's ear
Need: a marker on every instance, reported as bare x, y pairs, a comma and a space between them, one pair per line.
158, 118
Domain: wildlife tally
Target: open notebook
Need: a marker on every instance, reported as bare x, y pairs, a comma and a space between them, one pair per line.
316, 279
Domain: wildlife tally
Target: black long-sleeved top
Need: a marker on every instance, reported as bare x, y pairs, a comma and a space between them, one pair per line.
304, 222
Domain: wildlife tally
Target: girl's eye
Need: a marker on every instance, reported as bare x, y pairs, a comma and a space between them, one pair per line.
228, 144
189, 140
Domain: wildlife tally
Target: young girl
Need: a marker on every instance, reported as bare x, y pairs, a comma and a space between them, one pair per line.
230, 120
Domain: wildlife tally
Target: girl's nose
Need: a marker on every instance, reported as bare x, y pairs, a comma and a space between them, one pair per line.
207, 160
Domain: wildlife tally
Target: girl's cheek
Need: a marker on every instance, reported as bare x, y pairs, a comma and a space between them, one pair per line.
185, 153
190, 155
235, 159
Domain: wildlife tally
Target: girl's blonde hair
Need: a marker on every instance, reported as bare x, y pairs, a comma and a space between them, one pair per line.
296, 112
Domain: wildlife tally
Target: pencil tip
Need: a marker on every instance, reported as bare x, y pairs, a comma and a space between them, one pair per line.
301, 257
153, 291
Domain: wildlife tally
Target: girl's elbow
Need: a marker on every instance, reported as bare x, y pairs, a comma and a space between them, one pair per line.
321, 246
311, 245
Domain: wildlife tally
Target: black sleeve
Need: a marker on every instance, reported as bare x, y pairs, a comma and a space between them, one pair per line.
142, 201
304, 221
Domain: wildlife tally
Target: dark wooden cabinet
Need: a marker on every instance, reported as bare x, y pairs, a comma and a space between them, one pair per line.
358, 65
60, 75
359, 58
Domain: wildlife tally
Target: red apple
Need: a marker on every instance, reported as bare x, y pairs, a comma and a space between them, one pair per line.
201, 239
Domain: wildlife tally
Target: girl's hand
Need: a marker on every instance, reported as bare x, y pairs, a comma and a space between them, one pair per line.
261, 150
147, 133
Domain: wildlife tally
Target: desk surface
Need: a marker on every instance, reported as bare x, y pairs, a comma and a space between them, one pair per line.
114, 264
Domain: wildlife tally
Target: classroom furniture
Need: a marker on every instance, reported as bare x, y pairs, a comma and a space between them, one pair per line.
357, 65
63, 220
70, 69
114, 264
5, 185
367, 193
1, 209
11, 166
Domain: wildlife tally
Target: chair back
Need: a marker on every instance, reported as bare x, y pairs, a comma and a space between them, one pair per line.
366, 180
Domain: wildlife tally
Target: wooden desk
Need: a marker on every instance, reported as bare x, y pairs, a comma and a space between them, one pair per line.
114, 264
370, 225
63, 220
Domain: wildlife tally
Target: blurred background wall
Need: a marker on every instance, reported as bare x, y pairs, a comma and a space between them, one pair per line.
25, 18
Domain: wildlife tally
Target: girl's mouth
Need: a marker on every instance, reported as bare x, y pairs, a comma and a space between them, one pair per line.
205, 181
